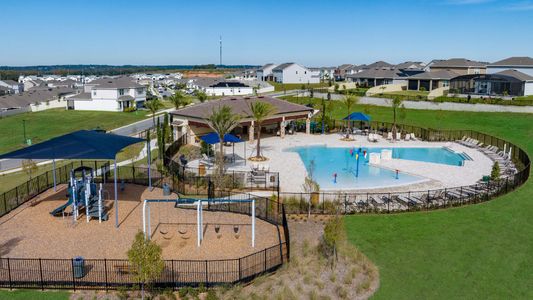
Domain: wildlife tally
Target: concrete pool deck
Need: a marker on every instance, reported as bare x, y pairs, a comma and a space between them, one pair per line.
292, 170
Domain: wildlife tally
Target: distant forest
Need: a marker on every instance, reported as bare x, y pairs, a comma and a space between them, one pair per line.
7, 72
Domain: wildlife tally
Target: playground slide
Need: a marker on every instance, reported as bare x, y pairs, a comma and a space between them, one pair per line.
60, 209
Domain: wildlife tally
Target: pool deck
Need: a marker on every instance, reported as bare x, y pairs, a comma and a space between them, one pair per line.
292, 170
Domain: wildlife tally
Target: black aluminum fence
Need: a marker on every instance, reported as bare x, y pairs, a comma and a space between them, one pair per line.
112, 273
105, 274
361, 202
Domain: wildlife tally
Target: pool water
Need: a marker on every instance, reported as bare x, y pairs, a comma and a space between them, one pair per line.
342, 161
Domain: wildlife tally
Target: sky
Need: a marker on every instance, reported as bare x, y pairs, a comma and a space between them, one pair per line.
312, 33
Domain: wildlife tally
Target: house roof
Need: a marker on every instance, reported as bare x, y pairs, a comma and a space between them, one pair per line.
125, 98
116, 83
457, 63
515, 61
378, 64
410, 65
378, 73
81, 96
283, 66
516, 74
33, 96
267, 65
437, 74
239, 105
344, 66
10, 82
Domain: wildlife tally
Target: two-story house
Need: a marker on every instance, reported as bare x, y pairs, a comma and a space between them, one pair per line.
110, 94
294, 73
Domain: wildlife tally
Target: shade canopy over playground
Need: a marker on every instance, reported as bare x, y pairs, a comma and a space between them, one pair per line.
357, 116
82, 144
213, 138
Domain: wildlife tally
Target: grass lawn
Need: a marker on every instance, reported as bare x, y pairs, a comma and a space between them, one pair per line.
280, 87
409, 93
479, 251
47, 124
33, 294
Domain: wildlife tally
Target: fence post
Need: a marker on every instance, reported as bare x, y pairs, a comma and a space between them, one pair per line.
240, 269
105, 271
172, 272
73, 277
9, 274
265, 255
206, 275
41, 272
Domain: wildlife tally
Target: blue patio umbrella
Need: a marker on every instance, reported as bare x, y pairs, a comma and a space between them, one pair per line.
213, 138
357, 116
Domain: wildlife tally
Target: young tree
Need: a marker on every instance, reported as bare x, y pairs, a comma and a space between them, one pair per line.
29, 167
260, 112
178, 99
153, 105
495, 173
222, 120
332, 238
349, 101
395, 104
145, 258
201, 96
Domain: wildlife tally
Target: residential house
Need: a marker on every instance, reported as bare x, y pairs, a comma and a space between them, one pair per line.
377, 64
521, 64
430, 80
17, 87
294, 73
378, 76
340, 72
110, 94
228, 87
460, 66
504, 83
36, 100
265, 72
324, 73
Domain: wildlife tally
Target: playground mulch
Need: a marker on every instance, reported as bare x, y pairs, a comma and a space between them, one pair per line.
31, 232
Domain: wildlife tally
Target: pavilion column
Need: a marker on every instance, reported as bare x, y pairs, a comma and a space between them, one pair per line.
418, 85
251, 132
430, 84
308, 125
190, 135
282, 128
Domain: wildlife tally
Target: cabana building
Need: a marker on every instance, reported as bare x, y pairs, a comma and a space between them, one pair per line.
192, 121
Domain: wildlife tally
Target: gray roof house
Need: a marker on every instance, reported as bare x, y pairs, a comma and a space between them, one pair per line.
523, 64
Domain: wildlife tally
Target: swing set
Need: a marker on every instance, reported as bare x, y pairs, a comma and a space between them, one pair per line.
199, 204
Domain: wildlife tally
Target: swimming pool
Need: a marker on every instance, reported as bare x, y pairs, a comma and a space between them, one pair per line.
341, 161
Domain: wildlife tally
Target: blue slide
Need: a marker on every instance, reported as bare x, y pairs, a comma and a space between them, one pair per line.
60, 209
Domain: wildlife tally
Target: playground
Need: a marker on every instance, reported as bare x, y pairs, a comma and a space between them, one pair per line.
31, 231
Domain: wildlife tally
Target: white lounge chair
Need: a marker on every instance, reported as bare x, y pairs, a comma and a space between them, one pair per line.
407, 137
413, 137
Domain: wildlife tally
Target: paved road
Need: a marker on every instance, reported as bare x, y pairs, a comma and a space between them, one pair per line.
127, 130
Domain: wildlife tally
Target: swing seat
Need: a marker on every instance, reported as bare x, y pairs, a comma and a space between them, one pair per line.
168, 236
182, 230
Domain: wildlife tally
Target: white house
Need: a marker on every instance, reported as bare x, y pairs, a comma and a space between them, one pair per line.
265, 72
110, 94
231, 87
521, 64
294, 73
17, 87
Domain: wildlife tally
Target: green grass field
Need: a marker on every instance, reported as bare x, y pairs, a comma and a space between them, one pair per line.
474, 252
280, 87
34, 295
47, 124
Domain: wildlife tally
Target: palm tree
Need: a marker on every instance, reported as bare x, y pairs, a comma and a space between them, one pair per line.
178, 99
222, 121
153, 105
395, 103
260, 112
349, 101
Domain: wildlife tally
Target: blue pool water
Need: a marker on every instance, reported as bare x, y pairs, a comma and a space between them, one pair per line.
328, 161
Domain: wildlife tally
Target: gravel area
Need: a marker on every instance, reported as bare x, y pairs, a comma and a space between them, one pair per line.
31, 232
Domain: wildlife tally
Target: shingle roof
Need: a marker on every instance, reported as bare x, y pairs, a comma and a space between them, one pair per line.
116, 83
345, 66
31, 97
516, 61
378, 64
410, 65
516, 74
10, 82
457, 62
282, 66
378, 73
239, 105
438, 74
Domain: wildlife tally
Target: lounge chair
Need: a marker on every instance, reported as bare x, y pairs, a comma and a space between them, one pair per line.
413, 137
407, 137
389, 136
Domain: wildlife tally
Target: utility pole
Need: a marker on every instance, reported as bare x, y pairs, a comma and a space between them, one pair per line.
220, 51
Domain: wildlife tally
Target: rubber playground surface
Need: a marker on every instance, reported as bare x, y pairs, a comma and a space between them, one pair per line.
31, 232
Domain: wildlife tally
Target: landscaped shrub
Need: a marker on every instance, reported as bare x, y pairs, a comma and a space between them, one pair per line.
191, 152
495, 173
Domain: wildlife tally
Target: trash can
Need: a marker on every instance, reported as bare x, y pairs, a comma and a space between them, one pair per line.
166, 189
79, 267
